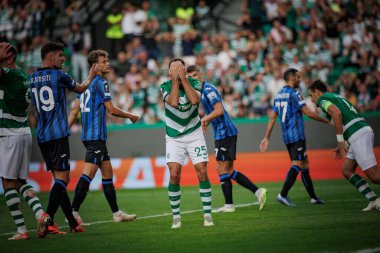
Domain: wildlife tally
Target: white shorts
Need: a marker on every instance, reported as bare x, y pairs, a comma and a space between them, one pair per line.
15, 154
361, 149
192, 145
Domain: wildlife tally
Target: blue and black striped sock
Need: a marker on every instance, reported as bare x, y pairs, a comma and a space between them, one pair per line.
308, 183
225, 182
110, 193
290, 180
81, 191
244, 181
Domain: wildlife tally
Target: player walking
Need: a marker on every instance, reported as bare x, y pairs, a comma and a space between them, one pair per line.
225, 135
289, 105
93, 104
350, 127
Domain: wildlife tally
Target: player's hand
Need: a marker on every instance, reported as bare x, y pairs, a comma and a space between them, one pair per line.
204, 124
181, 71
264, 145
174, 70
5, 53
93, 71
134, 118
340, 151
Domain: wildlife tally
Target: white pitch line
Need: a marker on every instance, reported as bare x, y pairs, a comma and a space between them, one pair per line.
142, 217
374, 250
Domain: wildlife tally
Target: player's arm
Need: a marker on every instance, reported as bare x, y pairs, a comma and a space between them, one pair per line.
314, 115
193, 95
173, 97
265, 141
116, 111
80, 88
74, 112
336, 116
218, 111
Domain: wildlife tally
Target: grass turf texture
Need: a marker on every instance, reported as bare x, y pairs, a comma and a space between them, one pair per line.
337, 226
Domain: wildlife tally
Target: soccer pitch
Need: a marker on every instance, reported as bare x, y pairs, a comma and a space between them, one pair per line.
337, 226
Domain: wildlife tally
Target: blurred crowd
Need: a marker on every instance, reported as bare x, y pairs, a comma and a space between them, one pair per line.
336, 41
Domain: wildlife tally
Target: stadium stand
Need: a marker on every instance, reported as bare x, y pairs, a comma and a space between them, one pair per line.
243, 47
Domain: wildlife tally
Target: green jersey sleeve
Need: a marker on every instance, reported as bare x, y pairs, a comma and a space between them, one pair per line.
166, 88
195, 83
324, 103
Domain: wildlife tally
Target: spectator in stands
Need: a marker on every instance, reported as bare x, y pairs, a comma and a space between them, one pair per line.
79, 42
185, 11
201, 19
114, 32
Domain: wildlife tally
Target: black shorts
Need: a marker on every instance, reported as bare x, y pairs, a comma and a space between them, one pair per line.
56, 154
225, 149
297, 150
96, 152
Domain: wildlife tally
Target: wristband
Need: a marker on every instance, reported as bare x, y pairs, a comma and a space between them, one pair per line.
339, 137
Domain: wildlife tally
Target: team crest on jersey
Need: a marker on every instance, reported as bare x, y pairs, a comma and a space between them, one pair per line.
106, 88
212, 95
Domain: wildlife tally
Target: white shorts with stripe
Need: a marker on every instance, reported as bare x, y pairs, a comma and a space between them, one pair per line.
192, 145
15, 154
361, 148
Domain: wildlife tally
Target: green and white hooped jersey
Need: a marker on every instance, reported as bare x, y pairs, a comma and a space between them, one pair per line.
185, 118
351, 119
14, 102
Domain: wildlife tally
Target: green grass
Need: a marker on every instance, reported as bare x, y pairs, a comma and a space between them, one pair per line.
337, 226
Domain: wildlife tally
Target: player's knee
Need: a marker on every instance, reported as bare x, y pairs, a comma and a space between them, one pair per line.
175, 177
202, 174
31, 193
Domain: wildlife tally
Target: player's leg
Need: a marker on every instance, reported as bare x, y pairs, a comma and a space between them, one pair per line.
291, 176
110, 193
26, 190
223, 168
31, 198
11, 150
175, 157
197, 150
12, 200
308, 183
226, 184
93, 159
361, 153
58, 153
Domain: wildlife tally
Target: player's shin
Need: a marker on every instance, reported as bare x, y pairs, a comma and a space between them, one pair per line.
110, 194
174, 191
244, 181
226, 184
205, 193
308, 183
362, 186
290, 180
32, 199
13, 202
81, 191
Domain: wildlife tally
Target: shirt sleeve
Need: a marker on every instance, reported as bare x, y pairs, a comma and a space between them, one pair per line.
212, 95
299, 102
165, 90
196, 84
67, 81
104, 90
324, 104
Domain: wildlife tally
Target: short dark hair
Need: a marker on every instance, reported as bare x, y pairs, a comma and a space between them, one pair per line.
288, 73
51, 47
192, 68
94, 56
318, 85
176, 59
